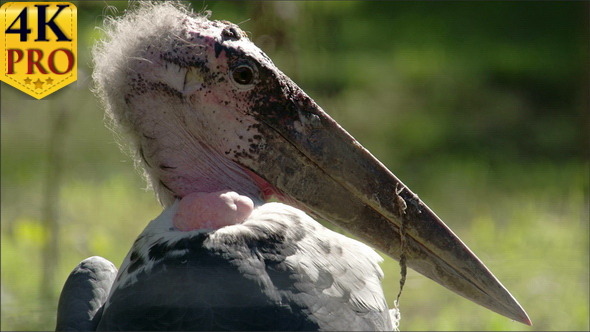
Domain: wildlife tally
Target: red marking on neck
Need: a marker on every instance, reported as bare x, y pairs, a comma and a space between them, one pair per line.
268, 190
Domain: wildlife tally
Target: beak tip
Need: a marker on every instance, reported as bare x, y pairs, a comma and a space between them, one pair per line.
524, 318
517, 313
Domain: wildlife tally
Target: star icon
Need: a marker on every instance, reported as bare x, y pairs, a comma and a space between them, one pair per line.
38, 84
49, 81
28, 80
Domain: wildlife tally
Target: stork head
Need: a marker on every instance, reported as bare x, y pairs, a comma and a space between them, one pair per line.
206, 110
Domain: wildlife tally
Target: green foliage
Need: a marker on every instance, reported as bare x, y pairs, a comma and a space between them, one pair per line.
478, 106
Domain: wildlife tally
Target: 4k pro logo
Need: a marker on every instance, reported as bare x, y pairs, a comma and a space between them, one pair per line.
39, 46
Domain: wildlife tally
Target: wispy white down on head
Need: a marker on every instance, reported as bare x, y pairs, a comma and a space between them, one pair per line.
125, 38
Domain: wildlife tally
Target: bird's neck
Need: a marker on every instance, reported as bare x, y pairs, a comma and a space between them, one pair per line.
178, 169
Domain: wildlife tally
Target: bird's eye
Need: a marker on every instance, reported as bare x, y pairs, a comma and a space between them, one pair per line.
243, 75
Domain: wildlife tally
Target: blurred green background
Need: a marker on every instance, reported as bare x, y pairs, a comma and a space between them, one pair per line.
481, 108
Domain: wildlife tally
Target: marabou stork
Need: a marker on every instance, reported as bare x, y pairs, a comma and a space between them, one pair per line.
218, 130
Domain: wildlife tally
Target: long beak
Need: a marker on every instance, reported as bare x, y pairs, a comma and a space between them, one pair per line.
316, 163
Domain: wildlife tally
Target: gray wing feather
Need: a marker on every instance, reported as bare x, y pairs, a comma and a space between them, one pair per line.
337, 278
84, 293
